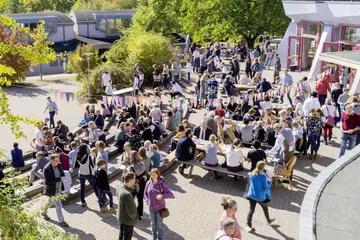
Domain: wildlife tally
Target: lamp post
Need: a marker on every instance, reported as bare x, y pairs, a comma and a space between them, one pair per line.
88, 55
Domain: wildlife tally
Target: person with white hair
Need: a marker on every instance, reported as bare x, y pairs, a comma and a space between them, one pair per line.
210, 122
228, 229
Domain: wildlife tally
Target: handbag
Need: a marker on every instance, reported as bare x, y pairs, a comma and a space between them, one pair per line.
164, 213
330, 120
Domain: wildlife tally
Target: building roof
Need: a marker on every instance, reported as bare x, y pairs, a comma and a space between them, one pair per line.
346, 58
89, 15
61, 18
95, 43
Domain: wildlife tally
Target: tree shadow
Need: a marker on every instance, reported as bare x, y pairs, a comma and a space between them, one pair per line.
26, 91
73, 230
171, 180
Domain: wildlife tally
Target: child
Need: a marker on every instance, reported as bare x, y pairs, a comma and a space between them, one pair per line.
259, 131
155, 158
102, 154
102, 183
298, 135
188, 69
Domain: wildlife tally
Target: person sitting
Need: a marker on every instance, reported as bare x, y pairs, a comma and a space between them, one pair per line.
17, 160
186, 124
270, 117
37, 167
247, 131
120, 137
264, 86
61, 130
234, 157
135, 140
256, 79
298, 132
232, 107
283, 116
211, 150
140, 123
219, 111
122, 118
250, 114
229, 87
170, 123
155, 113
147, 133
64, 159
105, 111
176, 90
99, 120
72, 154
185, 149
256, 155
202, 132
265, 104
259, 131
48, 138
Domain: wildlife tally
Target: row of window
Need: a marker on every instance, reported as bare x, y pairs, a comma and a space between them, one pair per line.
56, 61
112, 25
50, 27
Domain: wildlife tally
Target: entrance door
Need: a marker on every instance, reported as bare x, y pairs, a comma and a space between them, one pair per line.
294, 52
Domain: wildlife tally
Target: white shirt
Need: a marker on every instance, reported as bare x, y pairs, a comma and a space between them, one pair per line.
196, 54
176, 88
68, 182
136, 83
38, 137
279, 144
188, 67
309, 104
202, 134
105, 78
234, 157
299, 109
297, 133
328, 110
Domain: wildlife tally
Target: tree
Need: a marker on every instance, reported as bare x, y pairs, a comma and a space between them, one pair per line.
40, 5
20, 64
158, 15
14, 6
105, 5
145, 48
224, 19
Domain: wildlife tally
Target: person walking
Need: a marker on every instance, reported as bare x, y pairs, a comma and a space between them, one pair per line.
54, 178
228, 229
53, 109
230, 206
329, 112
322, 88
287, 83
277, 68
102, 183
349, 128
86, 171
313, 127
105, 80
156, 192
259, 193
127, 212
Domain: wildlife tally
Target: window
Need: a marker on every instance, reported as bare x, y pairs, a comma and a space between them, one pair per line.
118, 25
33, 26
50, 27
351, 34
102, 25
54, 63
126, 23
336, 36
310, 29
63, 59
111, 26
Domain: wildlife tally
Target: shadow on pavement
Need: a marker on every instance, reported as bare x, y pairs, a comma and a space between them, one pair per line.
25, 91
75, 231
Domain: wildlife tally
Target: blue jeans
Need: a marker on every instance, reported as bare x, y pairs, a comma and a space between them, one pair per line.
322, 99
52, 122
156, 225
101, 194
345, 138
288, 96
267, 61
91, 180
58, 207
314, 140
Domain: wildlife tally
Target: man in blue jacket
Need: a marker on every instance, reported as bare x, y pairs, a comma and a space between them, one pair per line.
17, 160
185, 149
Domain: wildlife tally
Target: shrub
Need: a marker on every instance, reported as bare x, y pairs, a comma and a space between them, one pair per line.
117, 76
145, 48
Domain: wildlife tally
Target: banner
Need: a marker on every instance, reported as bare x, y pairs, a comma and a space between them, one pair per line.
68, 95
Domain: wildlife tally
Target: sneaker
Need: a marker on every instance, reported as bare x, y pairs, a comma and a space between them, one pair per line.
64, 224
45, 216
83, 204
112, 210
103, 209
249, 229
271, 220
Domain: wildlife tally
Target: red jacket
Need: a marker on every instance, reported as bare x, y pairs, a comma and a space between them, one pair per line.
323, 86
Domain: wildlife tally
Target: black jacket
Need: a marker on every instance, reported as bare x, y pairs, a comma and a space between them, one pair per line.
102, 181
51, 180
61, 131
99, 121
147, 135
182, 151
264, 86
197, 132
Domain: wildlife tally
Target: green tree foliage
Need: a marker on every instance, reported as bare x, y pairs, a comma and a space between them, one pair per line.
224, 19
158, 15
14, 6
19, 63
105, 5
23, 6
145, 48
78, 61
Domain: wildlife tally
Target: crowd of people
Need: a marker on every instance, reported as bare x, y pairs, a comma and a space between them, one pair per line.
259, 120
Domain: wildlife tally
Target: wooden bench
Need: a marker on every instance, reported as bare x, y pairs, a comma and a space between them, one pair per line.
124, 91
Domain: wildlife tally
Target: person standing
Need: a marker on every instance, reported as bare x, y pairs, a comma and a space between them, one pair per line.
54, 178
230, 206
259, 193
127, 212
156, 192
105, 79
102, 154
287, 83
311, 103
53, 109
277, 68
228, 227
322, 88
335, 94
349, 128
203, 63
39, 138
102, 183
174, 70
329, 112
196, 60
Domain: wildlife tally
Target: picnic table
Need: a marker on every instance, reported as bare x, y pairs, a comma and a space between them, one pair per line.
279, 106
124, 91
240, 87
